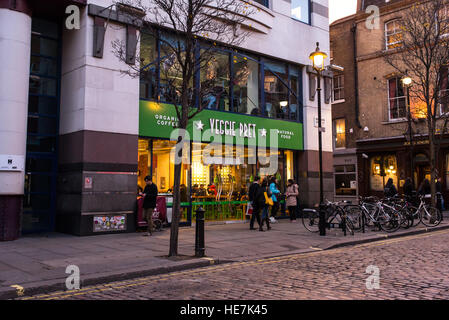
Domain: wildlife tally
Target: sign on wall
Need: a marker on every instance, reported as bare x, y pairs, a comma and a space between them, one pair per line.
12, 162
158, 119
109, 223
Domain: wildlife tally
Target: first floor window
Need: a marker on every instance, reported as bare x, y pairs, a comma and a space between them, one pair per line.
397, 100
340, 133
345, 180
263, 2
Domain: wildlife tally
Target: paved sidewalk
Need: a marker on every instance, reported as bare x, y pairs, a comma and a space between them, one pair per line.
38, 263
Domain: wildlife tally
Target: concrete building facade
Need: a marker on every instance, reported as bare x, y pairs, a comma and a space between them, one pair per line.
69, 117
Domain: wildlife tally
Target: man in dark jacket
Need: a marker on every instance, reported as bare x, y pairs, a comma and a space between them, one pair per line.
149, 203
252, 193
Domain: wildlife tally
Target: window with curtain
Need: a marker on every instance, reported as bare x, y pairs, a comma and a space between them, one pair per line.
300, 10
397, 100
393, 34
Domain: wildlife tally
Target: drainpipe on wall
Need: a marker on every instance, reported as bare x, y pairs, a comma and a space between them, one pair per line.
356, 75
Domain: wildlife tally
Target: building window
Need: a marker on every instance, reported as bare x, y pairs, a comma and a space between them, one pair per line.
229, 81
215, 78
345, 180
300, 10
393, 34
444, 91
383, 168
340, 133
276, 91
397, 100
443, 18
265, 3
338, 88
245, 85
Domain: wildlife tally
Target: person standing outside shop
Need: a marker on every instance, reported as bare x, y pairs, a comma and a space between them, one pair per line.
261, 201
252, 196
149, 203
291, 200
274, 190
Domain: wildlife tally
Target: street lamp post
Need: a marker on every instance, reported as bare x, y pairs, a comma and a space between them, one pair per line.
317, 58
407, 83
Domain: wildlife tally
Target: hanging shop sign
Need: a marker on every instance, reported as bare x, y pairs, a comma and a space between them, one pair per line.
158, 120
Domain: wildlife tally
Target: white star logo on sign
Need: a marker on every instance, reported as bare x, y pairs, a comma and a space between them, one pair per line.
199, 125
263, 132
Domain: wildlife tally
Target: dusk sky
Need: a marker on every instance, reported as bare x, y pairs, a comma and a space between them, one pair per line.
341, 8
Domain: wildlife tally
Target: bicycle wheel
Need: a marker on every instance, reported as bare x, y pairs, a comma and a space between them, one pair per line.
354, 215
430, 216
414, 216
390, 221
310, 220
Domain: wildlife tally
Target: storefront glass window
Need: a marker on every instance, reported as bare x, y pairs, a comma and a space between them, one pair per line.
215, 77
383, 168
345, 180
156, 160
276, 92
246, 85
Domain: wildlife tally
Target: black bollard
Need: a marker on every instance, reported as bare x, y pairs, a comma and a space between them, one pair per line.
322, 221
199, 233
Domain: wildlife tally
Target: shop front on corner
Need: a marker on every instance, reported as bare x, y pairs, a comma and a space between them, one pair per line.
221, 154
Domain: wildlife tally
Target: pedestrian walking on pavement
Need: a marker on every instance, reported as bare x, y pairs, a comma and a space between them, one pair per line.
149, 203
252, 196
262, 198
274, 190
291, 199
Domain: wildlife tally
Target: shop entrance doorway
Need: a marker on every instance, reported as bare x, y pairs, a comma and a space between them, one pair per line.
422, 169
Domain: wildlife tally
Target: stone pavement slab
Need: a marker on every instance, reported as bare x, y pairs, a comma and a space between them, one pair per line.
38, 262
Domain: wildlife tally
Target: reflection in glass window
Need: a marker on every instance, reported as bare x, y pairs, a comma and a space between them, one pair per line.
300, 10
276, 93
170, 70
382, 168
246, 85
215, 79
393, 34
294, 81
149, 63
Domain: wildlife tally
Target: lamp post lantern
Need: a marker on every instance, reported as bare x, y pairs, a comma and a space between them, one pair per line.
318, 58
407, 82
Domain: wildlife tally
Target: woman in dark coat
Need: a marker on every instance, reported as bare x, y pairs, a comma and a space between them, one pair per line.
408, 187
390, 190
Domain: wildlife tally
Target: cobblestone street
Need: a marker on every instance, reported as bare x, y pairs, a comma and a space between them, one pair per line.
412, 267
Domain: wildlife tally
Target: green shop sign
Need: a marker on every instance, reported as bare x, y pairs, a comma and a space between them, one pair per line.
157, 120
